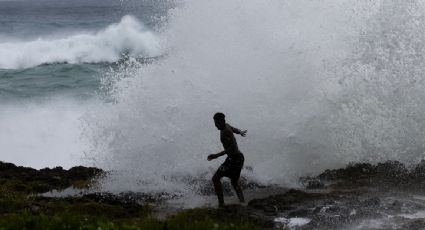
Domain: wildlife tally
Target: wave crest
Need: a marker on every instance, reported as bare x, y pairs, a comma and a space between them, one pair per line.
129, 36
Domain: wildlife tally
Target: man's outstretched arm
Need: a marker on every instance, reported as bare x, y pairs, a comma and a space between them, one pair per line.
238, 131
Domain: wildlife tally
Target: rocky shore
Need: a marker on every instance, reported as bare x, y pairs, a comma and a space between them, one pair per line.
360, 196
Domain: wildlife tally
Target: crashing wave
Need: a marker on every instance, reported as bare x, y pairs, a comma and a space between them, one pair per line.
129, 37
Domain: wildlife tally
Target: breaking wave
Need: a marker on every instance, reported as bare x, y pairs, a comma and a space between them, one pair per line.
128, 37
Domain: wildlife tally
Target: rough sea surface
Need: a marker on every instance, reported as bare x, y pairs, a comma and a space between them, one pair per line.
53, 56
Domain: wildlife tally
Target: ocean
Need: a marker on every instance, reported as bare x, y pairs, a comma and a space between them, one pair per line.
53, 55
131, 86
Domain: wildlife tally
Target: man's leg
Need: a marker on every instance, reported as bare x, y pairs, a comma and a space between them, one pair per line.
238, 189
218, 189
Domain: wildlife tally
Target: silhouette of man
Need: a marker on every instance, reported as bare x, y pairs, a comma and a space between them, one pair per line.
233, 164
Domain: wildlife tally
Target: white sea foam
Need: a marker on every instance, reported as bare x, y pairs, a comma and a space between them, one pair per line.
317, 84
417, 215
129, 36
291, 223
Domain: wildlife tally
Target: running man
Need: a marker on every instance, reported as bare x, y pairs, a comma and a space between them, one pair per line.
233, 164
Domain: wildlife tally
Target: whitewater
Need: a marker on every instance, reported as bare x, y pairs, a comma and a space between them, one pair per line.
128, 37
317, 84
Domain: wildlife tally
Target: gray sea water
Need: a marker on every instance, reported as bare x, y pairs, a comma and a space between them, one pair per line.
53, 56
32, 30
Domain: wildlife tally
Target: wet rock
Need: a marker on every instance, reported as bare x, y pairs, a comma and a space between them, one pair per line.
270, 210
283, 200
417, 224
384, 175
6, 166
392, 171
353, 170
82, 173
311, 182
46, 179
350, 195
418, 172
203, 185
300, 213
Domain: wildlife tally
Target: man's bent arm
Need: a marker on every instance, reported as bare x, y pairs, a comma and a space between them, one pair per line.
226, 151
220, 154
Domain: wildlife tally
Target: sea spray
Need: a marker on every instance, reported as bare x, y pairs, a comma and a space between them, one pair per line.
294, 73
42, 134
378, 109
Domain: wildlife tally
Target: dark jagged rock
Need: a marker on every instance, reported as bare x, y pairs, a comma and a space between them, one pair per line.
392, 171
352, 171
285, 201
357, 175
418, 172
312, 182
46, 179
418, 224
350, 195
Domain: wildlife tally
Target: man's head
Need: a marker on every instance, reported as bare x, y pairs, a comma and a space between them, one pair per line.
220, 121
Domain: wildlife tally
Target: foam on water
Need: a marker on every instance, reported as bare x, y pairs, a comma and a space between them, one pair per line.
317, 84
291, 223
108, 45
417, 215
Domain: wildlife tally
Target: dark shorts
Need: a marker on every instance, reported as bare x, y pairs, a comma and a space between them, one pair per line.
231, 167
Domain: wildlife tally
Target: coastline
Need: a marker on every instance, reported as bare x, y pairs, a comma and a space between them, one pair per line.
355, 197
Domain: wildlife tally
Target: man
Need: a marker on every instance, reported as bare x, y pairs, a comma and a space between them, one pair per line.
233, 164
